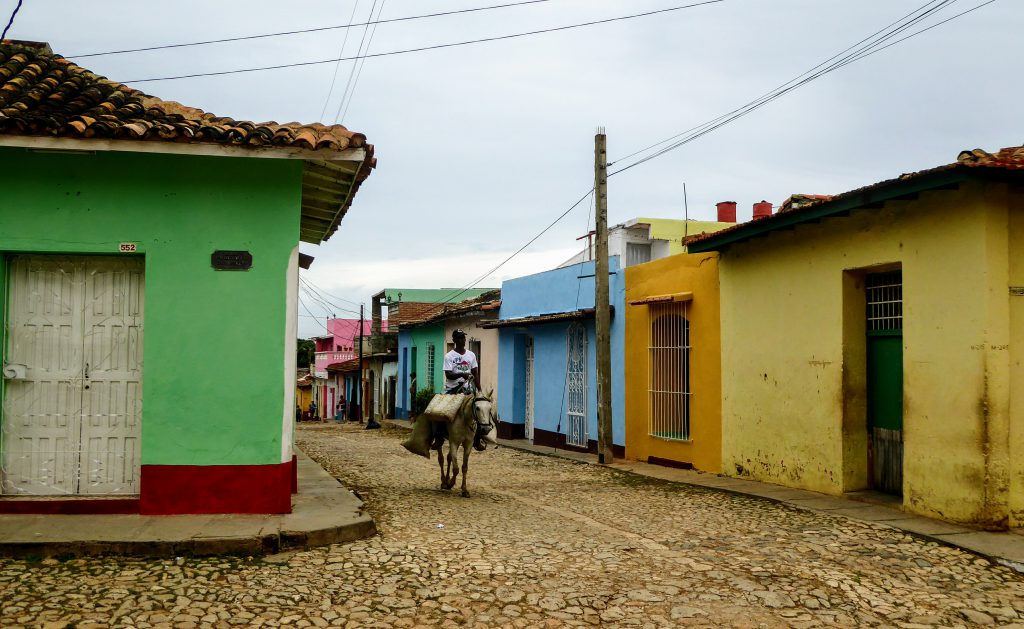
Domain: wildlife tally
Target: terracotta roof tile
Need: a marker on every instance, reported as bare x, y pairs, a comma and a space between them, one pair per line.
42, 93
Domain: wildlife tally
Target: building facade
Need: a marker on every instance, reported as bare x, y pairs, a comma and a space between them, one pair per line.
131, 261
672, 363
547, 357
872, 340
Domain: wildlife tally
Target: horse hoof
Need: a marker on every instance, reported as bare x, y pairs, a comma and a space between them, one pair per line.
465, 494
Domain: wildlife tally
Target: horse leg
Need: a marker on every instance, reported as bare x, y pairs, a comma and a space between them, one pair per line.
440, 463
465, 468
453, 460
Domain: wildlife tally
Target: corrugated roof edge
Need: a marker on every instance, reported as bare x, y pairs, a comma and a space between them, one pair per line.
1008, 162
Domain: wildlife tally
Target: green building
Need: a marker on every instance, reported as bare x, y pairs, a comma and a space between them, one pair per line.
149, 277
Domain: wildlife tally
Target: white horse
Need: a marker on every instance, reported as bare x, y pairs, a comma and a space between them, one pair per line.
479, 412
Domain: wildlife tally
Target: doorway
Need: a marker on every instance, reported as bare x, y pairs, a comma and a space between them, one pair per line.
885, 380
73, 375
576, 386
528, 387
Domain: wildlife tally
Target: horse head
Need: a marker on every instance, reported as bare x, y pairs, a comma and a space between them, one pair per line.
486, 416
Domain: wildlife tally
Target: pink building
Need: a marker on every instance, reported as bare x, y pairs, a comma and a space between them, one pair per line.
341, 345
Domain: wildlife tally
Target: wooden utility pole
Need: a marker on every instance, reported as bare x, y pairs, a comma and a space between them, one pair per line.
602, 311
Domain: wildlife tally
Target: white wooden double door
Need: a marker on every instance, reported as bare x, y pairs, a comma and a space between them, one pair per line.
72, 422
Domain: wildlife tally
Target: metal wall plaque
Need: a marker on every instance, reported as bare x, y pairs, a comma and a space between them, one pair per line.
231, 260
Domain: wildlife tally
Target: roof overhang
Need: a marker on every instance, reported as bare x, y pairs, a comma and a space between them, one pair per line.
572, 315
872, 197
330, 178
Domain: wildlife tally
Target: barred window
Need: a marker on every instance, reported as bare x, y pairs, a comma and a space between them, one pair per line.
669, 376
885, 300
430, 362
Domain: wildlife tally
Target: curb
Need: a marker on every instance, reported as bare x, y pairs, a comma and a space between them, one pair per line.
324, 512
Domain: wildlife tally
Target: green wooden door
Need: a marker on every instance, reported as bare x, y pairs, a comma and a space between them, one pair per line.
885, 380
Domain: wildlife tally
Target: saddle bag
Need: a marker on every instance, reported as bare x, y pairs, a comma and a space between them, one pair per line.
444, 407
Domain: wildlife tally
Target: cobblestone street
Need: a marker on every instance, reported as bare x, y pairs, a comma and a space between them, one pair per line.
542, 542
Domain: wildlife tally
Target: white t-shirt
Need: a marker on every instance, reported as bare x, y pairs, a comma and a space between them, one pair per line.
461, 364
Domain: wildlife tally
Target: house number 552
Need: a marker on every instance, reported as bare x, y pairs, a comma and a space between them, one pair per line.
127, 247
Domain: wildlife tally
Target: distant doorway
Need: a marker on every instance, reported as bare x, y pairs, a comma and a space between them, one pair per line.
528, 386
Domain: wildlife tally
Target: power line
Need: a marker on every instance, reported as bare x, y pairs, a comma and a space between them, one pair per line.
306, 308
772, 91
304, 30
11, 21
725, 119
328, 312
325, 303
337, 66
319, 289
439, 305
858, 54
358, 70
425, 48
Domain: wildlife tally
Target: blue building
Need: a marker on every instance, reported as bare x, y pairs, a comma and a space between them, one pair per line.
547, 359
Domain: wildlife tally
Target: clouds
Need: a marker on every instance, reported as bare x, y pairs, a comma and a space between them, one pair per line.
491, 142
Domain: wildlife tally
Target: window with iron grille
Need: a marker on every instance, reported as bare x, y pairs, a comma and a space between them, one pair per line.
669, 372
885, 300
430, 362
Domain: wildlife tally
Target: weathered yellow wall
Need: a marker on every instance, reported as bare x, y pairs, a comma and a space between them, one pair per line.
696, 273
786, 301
1016, 437
674, 230
303, 395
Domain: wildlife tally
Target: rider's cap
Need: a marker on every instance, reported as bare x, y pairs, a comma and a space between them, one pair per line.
457, 333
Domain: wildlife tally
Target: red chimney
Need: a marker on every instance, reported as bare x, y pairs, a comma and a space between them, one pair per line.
762, 210
726, 211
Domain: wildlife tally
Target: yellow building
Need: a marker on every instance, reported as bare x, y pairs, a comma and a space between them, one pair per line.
303, 392
672, 359
872, 341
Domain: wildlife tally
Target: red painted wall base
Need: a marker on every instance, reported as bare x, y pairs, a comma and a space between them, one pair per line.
73, 506
180, 489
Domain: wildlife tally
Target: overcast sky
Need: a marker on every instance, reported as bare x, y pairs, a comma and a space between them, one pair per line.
479, 147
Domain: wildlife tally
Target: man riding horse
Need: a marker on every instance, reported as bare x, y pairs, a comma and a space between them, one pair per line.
461, 375
463, 416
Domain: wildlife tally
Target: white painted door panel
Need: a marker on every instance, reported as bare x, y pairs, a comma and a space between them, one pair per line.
112, 395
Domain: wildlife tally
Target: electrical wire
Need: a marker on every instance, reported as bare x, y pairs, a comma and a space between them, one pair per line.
358, 71
425, 48
337, 66
859, 53
320, 290
450, 298
10, 22
323, 306
306, 308
324, 298
323, 292
779, 87
304, 30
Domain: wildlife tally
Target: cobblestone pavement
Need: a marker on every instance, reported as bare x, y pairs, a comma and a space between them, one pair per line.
543, 542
